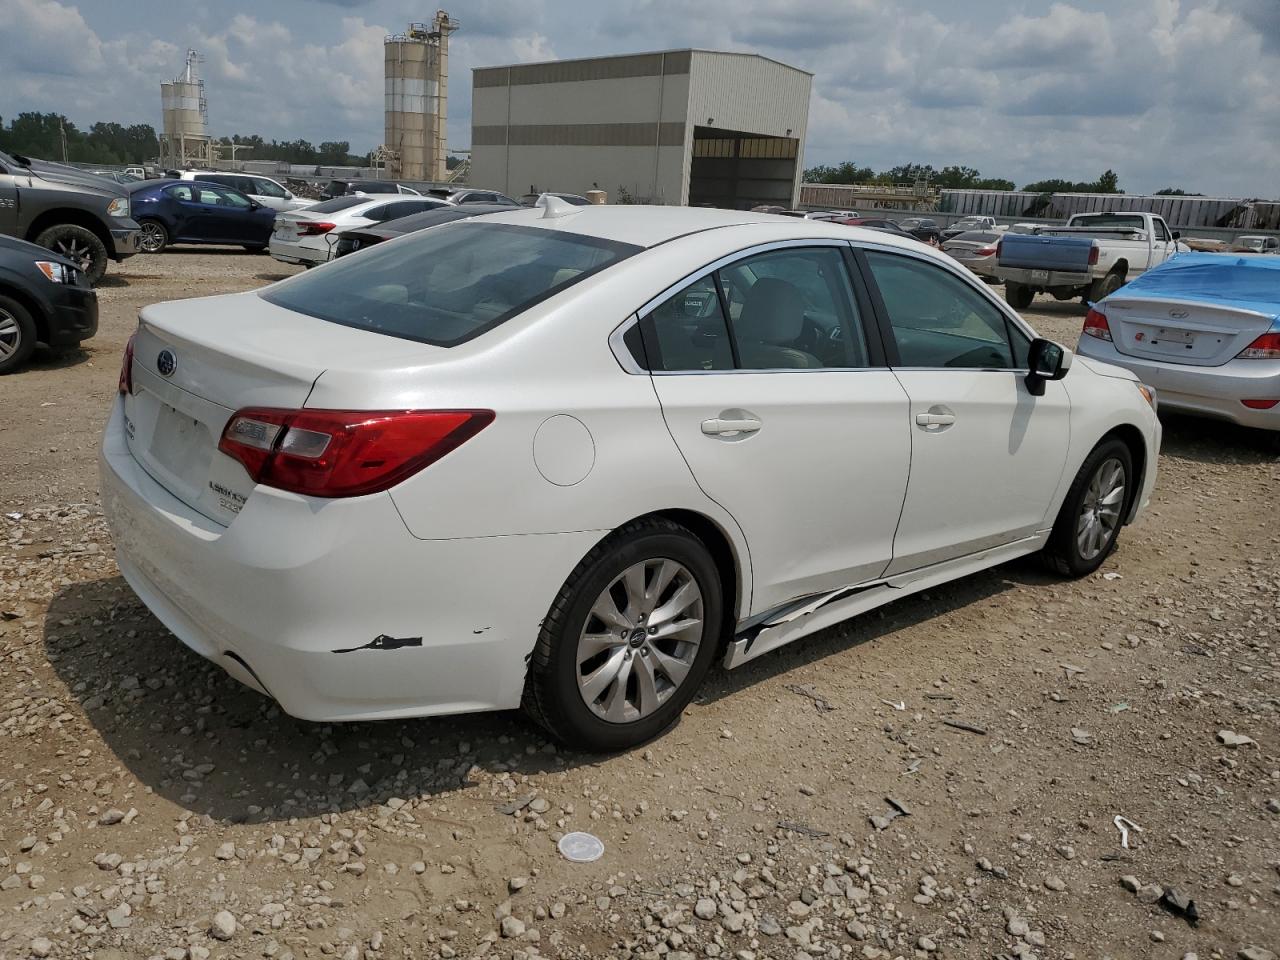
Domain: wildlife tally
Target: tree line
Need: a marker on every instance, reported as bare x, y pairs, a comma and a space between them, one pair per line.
966, 178
43, 135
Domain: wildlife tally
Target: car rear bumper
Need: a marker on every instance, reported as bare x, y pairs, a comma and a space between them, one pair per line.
289, 597
295, 252
1205, 391
1043, 279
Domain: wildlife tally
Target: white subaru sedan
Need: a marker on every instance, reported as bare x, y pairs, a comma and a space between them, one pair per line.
570, 457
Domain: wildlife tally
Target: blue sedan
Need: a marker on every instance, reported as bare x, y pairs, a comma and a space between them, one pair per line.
191, 211
1204, 330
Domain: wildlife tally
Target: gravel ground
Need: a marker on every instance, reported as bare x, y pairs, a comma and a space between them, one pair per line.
938, 778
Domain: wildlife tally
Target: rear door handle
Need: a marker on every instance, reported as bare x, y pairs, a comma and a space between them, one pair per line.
717, 427
935, 419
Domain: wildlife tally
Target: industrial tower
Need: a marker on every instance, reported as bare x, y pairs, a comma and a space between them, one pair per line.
185, 137
417, 98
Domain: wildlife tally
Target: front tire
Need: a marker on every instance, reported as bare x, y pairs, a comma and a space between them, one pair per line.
17, 335
78, 244
1018, 296
152, 236
1094, 510
628, 640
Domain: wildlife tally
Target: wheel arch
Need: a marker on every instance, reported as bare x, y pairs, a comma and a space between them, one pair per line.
1120, 268
32, 307
79, 218
1131, 437
732, 563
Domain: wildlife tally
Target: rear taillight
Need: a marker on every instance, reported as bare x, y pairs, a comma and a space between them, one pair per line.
1095, 325
126, 367
314, 228
1260, 404
1266, 347
1000, 249
985, 251
1093, 255
344, 453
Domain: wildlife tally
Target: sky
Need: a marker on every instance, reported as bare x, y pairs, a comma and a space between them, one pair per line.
1165, 92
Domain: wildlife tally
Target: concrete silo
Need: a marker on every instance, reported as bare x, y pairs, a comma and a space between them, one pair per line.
416, 101
185, 137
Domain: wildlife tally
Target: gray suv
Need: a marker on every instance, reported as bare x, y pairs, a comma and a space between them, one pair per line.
83, 217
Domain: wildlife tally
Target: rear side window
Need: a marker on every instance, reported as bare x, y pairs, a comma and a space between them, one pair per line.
938, 320
447, 285
790, 309
179, 192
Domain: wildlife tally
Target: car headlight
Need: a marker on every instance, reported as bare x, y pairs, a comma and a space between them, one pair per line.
56, 272
119, 207
1148, 394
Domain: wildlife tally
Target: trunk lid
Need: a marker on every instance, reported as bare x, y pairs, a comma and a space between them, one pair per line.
1182, 331
196, 362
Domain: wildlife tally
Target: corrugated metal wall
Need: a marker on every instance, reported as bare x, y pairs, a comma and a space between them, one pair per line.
1177, 211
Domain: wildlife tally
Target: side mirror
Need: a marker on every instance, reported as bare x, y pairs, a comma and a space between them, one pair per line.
1177, 234
1046, 361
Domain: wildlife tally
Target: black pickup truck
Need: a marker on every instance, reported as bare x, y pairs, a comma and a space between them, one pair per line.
76, 214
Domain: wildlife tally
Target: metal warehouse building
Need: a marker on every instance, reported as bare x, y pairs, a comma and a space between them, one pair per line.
693, 127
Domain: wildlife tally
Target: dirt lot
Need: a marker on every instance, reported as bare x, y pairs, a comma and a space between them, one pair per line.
155, 808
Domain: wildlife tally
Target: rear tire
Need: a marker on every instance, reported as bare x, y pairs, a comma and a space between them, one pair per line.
606, 683
1018, 296
17, 335
1103, 287
1093, 512
78, 244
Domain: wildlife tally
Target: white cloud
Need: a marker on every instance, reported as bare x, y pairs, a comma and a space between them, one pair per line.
1165, 92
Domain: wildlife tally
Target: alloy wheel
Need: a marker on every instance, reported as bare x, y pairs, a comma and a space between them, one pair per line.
77, 252
640, 640
1100, 508
10, 335
151, 237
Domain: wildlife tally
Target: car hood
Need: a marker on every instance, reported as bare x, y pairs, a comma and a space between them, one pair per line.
22, 248
59, 173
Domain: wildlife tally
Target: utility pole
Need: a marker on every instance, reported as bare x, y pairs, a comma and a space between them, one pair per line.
62, 135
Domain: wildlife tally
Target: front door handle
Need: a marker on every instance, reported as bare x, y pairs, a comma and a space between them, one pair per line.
717, 427
935, 419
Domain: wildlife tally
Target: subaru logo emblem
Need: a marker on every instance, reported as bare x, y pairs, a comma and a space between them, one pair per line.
1179, 314
166, 363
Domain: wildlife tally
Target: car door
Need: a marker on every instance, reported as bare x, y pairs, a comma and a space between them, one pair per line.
986, 455
266, 193
240, 225
773, 388
8, 202
184, 216
1161, 242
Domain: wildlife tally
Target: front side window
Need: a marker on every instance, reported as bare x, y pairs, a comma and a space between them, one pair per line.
938, 320
229, 198
452, 283
1162, 232
266, 188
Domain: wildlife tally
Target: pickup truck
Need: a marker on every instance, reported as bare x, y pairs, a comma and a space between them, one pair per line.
83, 217
1092, 256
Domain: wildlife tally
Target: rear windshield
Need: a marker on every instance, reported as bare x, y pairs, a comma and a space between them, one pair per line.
447, 285
336, 204
1109, 220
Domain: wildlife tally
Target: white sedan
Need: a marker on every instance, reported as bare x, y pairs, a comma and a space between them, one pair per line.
308, 236
570, 457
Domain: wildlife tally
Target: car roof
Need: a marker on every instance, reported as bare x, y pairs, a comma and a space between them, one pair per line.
647, 226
